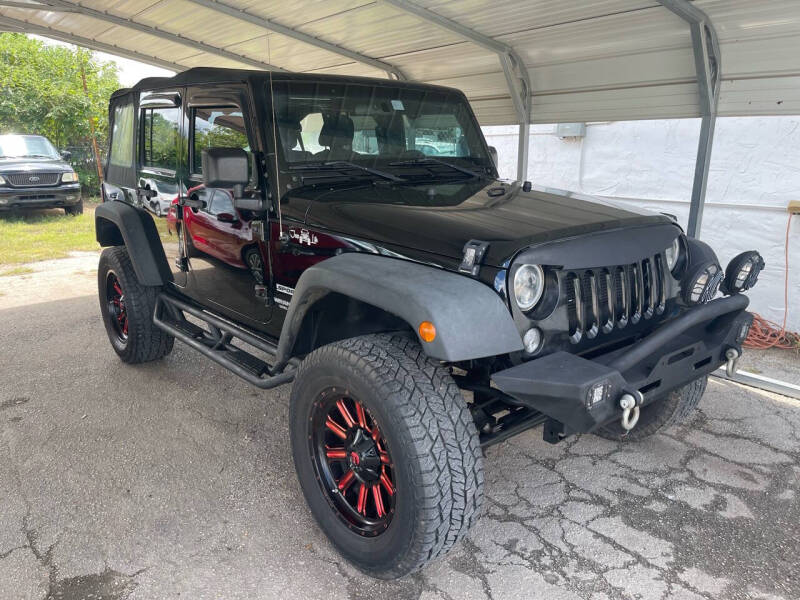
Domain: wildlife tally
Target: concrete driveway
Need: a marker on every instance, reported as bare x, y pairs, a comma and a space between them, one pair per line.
174, 480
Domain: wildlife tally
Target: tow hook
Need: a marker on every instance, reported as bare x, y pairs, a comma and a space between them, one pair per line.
732, 354
630, 410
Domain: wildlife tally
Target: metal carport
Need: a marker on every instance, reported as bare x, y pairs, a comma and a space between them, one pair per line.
542, 61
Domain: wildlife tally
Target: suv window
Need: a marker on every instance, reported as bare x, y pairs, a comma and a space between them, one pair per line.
216, 127
221, 203
122, 136
160, 137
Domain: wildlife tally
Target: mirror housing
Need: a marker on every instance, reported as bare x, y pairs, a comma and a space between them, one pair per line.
66, 154
493, 154
228, 168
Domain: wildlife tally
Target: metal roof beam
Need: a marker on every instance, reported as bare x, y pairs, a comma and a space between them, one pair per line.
707, 63
514, 70
270, 25
32, 6
55, 34
164, 35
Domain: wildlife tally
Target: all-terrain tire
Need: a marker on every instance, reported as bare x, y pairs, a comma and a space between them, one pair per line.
429, 432
75, 209
660, 414
143, 341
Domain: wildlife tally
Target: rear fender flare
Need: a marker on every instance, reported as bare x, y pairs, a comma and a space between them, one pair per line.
471, 319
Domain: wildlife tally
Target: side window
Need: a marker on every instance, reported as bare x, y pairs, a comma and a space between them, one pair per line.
122, 137
221, 127
221, 203
160, 137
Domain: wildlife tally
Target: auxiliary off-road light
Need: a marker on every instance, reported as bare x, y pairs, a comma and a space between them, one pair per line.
528, 286
427, 331
532, 340
742, 272
598, 393
702, 283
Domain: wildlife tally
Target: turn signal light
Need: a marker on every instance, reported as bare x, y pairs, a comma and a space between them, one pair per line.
427, 331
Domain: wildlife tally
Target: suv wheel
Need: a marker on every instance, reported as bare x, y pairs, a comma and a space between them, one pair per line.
660, 414
75, 209
386, 452
127, 308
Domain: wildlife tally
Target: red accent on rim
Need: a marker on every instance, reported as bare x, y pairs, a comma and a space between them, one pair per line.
346, 480
362, 418
385, 458
354, 458
362, 499
345, 413
387, 485
336, 453
376, 496
336, 428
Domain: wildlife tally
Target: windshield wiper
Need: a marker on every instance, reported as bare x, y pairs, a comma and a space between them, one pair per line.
347, 164
35, 156
429, 160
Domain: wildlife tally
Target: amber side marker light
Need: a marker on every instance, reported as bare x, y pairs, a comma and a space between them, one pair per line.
427, 331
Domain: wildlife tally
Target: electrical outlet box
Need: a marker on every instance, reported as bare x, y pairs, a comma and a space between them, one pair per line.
794, 207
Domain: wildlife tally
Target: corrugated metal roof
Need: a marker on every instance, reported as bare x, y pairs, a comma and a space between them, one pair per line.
587, 61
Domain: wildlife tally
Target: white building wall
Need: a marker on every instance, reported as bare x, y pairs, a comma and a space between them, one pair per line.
755, 172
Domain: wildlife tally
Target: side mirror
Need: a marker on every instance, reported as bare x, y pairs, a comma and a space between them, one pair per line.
493, 154
66, 154
226, 218
229, 168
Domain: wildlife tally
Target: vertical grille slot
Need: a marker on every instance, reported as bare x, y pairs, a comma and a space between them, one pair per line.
649, 288
637, 292
661, 278
590, 296
607, 296
574, 307
622, 302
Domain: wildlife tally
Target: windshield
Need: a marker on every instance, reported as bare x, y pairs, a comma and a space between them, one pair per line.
26, 146
374, 125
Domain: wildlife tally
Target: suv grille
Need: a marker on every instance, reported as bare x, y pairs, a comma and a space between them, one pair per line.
32, 179
600, 300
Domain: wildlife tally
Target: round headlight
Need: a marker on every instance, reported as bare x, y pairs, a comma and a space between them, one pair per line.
528, 286
672, 253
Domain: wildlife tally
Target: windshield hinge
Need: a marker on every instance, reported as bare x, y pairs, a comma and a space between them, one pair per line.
474, 251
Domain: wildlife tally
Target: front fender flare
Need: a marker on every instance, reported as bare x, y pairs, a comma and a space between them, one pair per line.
471, 320
140, 237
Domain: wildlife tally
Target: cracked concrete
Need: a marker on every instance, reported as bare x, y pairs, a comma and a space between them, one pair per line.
175, 479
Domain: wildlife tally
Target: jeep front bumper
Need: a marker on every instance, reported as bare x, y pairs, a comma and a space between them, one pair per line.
67, 194
579, 394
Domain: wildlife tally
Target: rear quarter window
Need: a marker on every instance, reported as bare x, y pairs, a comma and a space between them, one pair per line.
122, 136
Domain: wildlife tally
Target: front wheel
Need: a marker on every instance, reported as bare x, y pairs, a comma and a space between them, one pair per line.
75, 209
127, 307
386, 452
659, 414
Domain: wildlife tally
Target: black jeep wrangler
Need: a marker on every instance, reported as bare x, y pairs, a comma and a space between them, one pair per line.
352, 235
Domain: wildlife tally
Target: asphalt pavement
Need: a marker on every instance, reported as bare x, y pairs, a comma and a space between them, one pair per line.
175, 480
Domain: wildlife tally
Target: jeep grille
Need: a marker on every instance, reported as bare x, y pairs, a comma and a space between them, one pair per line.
34, 179
602, 299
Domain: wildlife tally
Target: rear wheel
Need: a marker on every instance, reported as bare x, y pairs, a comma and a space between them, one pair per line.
127, 308
660, 414
386, 452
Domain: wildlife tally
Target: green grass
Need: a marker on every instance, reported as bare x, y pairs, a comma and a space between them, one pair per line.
42, 235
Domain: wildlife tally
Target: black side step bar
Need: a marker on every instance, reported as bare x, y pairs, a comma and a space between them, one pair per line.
217, 342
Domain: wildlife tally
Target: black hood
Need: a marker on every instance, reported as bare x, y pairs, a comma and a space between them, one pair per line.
23, 165
440, 218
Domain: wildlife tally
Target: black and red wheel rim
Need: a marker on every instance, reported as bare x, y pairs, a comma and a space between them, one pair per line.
353, 463
117, 311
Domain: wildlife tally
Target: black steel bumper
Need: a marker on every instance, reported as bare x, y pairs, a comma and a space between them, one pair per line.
579, 394
39, 197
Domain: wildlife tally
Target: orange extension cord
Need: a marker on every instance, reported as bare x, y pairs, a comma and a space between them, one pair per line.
766, 334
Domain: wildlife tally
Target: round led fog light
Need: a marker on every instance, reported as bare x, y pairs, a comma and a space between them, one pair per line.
532, 340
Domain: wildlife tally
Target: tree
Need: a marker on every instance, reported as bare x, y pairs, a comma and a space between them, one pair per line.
41, 91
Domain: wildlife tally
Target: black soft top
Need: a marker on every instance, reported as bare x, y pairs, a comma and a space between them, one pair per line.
201, 75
